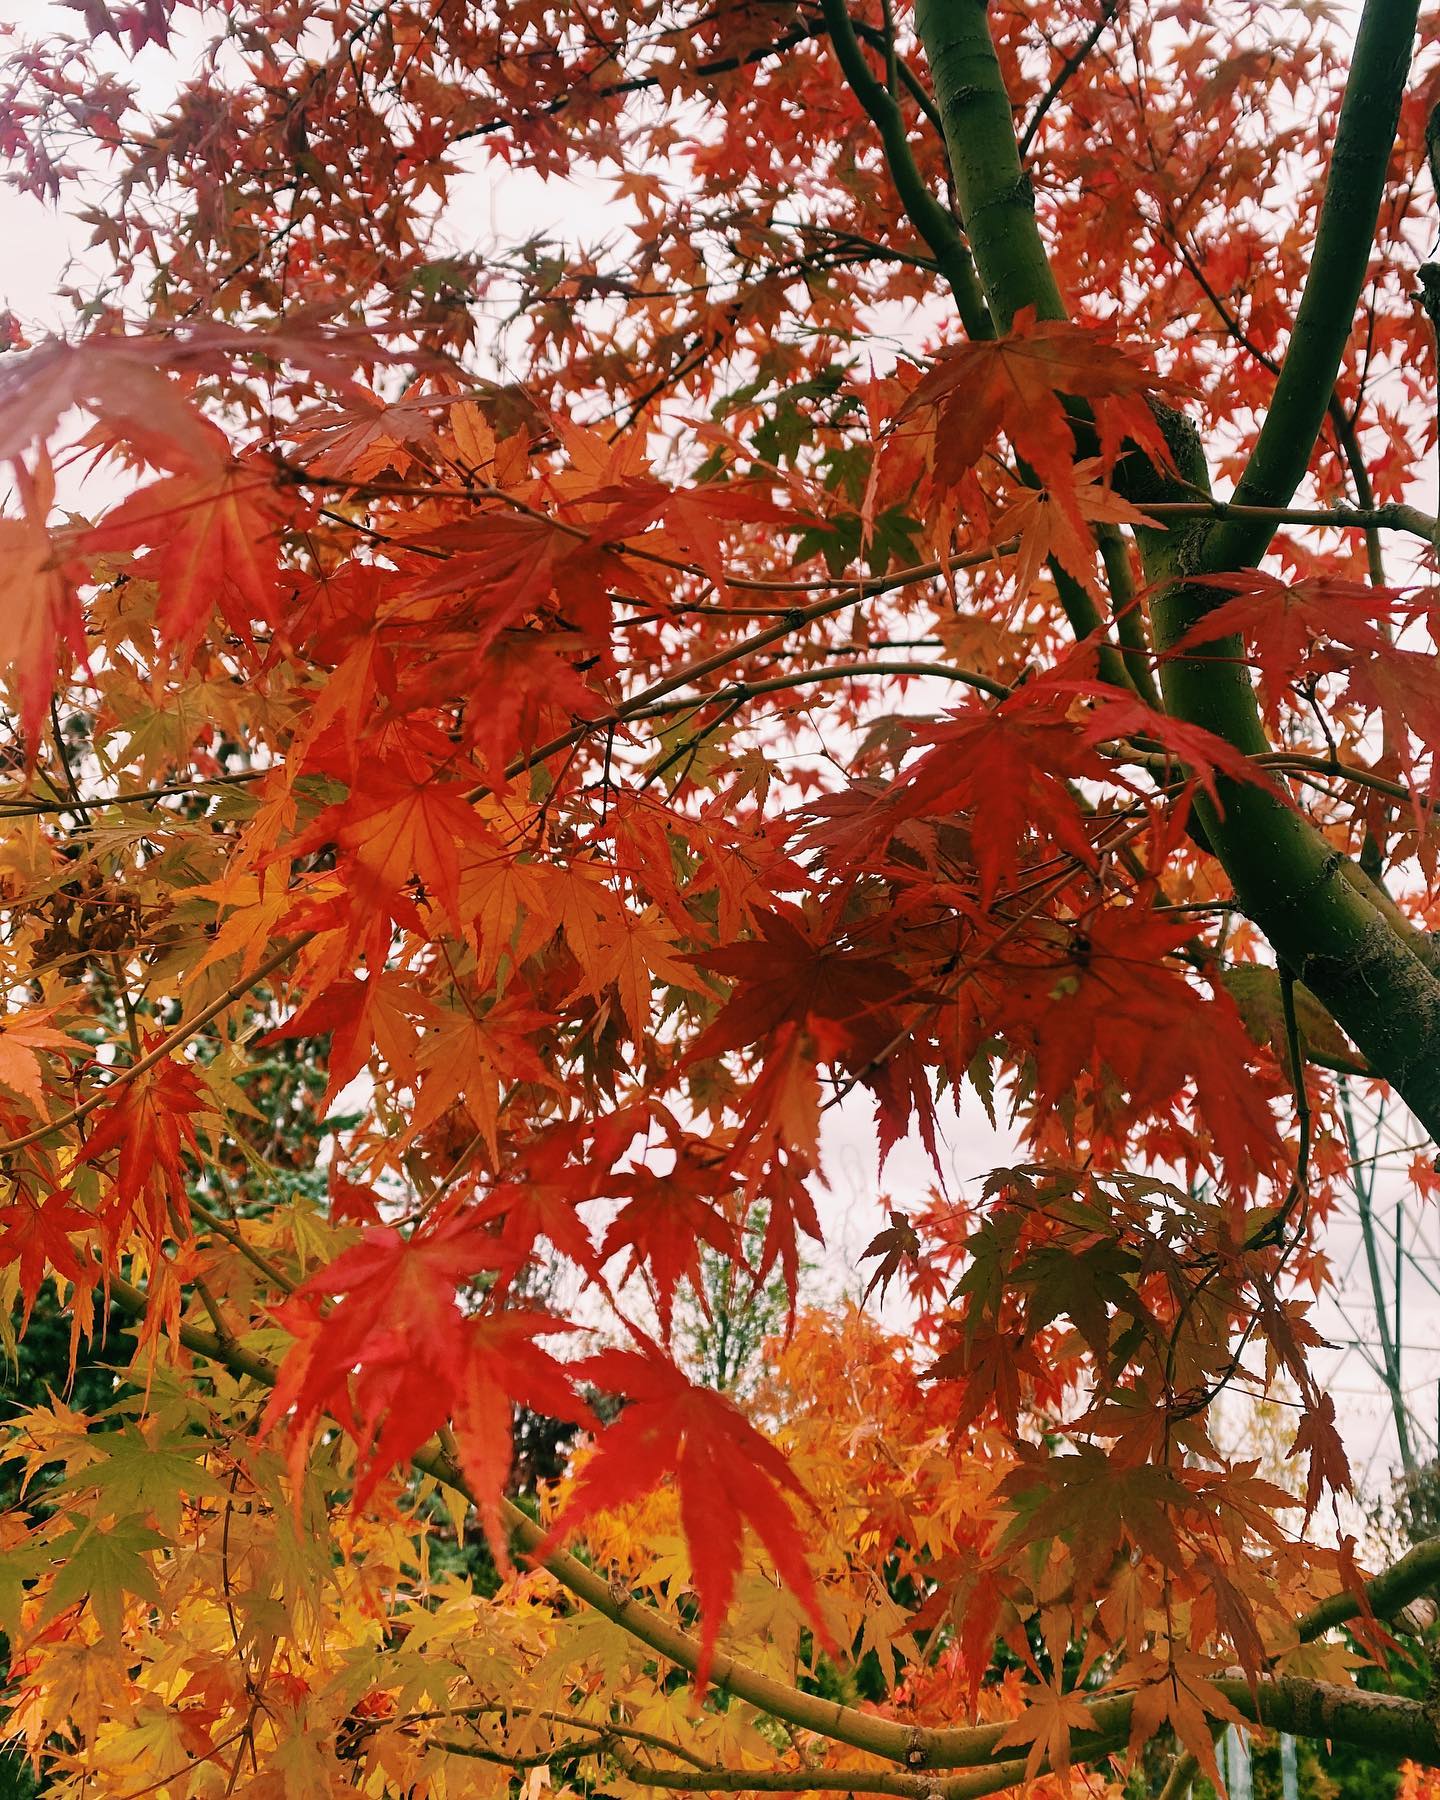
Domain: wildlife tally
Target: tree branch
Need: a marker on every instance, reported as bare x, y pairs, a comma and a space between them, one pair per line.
1364, 138
638, 84
1386, 1594
997, 203
801, 616
1287, 1703
1321, 915
171, 1040
927, 215
855, 671
1341, 422
1130, 626
21, 808
1062, 75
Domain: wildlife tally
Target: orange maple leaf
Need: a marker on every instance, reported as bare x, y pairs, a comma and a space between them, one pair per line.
22, 1036
40, 614
212, 543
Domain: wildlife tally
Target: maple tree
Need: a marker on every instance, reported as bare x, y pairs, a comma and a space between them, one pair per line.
925, 598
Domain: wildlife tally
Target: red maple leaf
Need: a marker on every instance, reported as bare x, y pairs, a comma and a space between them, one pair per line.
1318, 1439
383, 1015
726, 1474
789, 1212
36, 1234
149, 1121
526, 1211
1115, 1008
399, 1356
1284, 620
793, 973
1020, 384
396, 825
663, 1224
1007, 768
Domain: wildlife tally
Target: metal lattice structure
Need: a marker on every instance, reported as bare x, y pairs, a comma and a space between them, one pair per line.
1381, 1315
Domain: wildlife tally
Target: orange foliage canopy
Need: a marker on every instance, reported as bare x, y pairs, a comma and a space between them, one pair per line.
509, 738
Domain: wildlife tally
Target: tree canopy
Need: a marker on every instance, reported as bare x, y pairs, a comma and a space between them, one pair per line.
918, 596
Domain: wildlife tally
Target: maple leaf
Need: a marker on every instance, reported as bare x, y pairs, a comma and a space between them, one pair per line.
397, 1311
782, 1116
212, 544
789, 1214
1115, 1005
39, 608
474, 1057
995, 1367
532, 682
1051, 1714
1284, 619
1399, 686
103, 1564
663, 1225
503, 1368
122, 380
1179, 1694
22, 1035
1099, 1507
1294, 629
726, 1474
1113, 713
37, 1236
384, 1013
537, 1208
1007, 768
793, 974
398, 1357
695, 518
150, 1122
1020, 384
1317, 1438
639, 951
352, 1200
1258, 994
367, 437
397, 825
146, 1475
1053, 525
897, 1244
506, 565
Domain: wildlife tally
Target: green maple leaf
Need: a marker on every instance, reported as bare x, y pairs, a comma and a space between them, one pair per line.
1083, 1285
136, 1476
18, 1567
103, 1567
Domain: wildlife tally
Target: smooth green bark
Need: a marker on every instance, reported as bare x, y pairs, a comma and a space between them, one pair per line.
1288, 878
997, 202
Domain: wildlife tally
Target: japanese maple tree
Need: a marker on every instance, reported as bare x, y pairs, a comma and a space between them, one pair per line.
921, 598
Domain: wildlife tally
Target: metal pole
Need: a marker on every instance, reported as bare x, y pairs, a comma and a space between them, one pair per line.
1388, 1345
